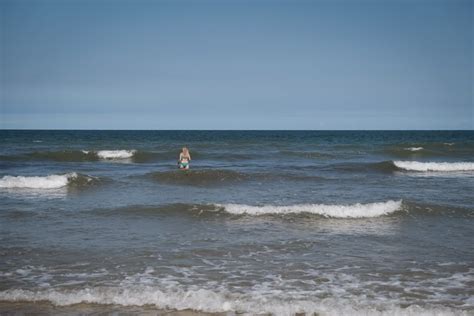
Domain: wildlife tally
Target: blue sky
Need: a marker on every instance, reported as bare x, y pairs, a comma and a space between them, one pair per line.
102, 64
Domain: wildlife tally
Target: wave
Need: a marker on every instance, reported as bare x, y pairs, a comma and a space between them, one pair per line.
306, 154
399, 165
327, 210
80, 155
166, 209
416, 151
204, 177
220, 301
115, 154
133, 155
91, 155
434, 166
429, 150
383, 166
63, 155
305, 211
414, 148
214, 177
357, 210
56, 181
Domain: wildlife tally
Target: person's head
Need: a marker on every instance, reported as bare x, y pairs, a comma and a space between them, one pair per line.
185, 150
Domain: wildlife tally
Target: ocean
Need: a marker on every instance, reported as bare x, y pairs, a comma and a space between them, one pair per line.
264, 222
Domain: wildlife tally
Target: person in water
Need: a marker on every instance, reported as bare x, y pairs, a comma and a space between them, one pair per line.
184, 159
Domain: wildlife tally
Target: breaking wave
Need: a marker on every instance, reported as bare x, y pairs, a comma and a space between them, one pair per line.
83, 155
47, 182
414, 148
218, 301
401, 165
357, 210
434, 166
335, 211
330, 211
116, 154
91, 155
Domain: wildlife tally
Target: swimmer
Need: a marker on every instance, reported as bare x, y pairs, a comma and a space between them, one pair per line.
184, 159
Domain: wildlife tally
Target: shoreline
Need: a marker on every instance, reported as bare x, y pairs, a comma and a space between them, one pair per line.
41, 308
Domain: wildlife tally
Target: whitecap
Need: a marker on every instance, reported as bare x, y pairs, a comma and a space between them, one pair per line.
414, 148
115, 154
434, 166
338, 211
37, 182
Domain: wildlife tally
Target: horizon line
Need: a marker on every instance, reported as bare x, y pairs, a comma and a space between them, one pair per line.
243, 130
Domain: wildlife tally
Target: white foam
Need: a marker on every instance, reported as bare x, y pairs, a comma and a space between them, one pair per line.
414, 148
434, 166
36, 182
217, 301
342, 293
339, 211
23, 272
116, 154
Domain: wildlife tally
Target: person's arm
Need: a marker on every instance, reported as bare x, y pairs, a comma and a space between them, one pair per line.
189, 156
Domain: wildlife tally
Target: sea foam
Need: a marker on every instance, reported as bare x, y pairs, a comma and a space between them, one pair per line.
116, 154
337, 211
37, 182
414, 148
210, 301
434, 166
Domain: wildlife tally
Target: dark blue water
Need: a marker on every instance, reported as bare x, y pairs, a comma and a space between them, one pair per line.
280, 222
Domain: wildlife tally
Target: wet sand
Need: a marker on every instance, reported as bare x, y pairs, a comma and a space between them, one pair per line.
45, 308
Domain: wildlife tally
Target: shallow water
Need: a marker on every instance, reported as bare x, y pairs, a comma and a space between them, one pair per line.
264, 222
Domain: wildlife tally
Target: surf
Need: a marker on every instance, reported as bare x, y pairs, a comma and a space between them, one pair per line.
75, 155
357, 210
391, 166
116, 154
337, 211
179, 298
54, 181
414, 148
434, 166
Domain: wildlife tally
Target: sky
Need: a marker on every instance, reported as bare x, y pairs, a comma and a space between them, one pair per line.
263, 64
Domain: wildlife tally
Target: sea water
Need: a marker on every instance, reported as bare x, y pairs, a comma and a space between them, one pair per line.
272, 222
